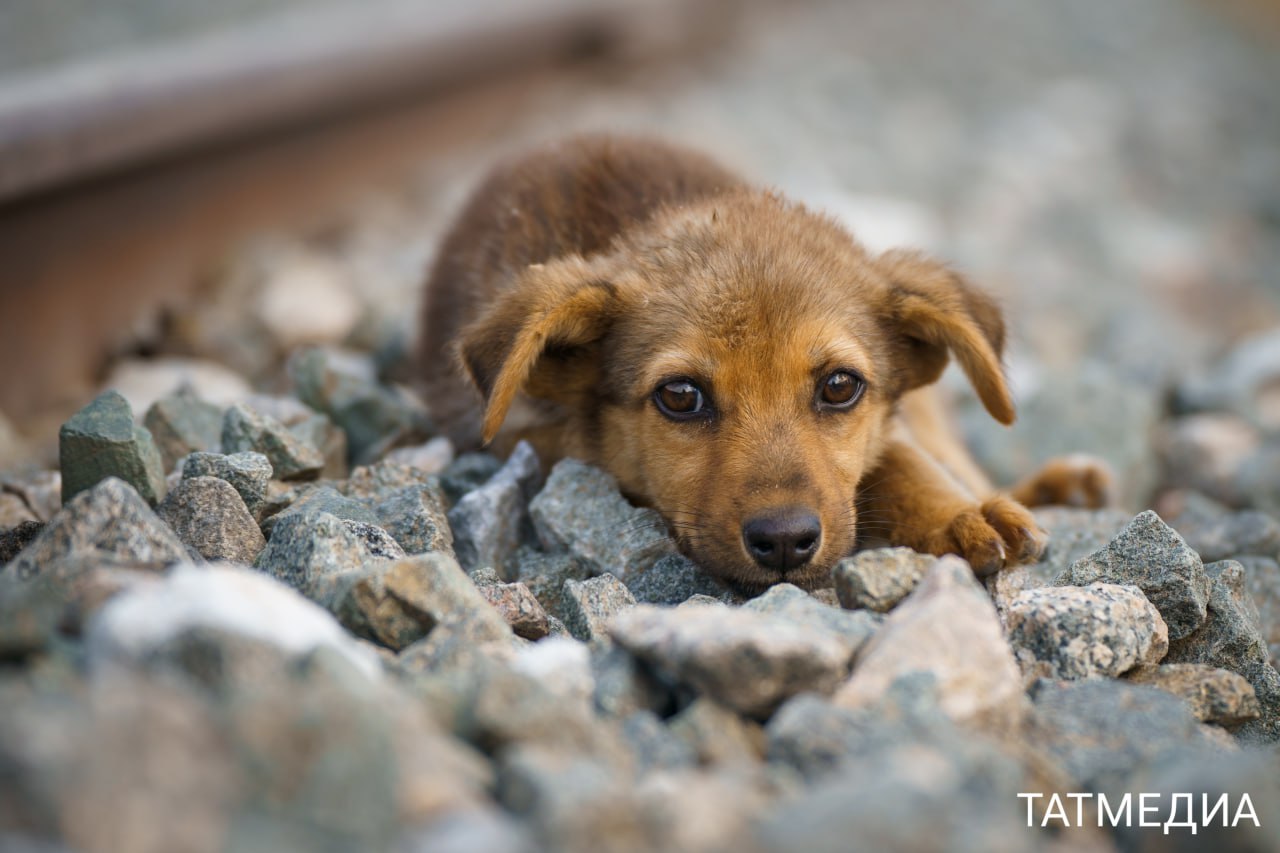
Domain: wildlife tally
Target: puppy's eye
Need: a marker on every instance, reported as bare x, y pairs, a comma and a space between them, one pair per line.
680, 400
840, 390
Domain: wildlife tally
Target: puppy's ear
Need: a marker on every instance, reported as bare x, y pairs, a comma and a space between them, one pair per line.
539, 337
935, 311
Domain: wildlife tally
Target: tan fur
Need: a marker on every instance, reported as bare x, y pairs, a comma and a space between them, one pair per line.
584, 276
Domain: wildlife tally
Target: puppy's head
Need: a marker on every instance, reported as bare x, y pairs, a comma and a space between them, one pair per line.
734, 365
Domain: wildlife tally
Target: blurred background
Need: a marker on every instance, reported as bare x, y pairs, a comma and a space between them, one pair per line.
191, 191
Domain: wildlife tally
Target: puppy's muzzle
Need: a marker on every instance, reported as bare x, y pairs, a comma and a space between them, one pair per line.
782, 540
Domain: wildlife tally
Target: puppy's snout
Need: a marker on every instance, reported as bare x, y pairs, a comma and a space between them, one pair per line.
782, 539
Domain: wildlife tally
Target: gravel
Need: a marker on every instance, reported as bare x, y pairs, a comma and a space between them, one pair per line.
102, 441
1101, 630
879, 578
1153, 557
248, 473
244, 429
209, 517
947, 628
747, 661
1108, 173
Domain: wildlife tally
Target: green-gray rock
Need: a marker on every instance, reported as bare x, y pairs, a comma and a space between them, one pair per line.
291, 458
101, 440
181, 424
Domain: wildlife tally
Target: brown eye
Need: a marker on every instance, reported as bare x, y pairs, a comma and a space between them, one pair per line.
840, 390
680, 400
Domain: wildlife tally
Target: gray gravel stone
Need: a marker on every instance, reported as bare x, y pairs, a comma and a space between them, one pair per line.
948, 628
102, 440
468, 471
749, 662
671, 580
653, 745
318, 499
209, 516
1243, 381
901, 778
344, 385
1101, 630
182, 424
1100, 731
573, 802
110, 521
1262, 580
31, 611
1153, 557
489, 523
1211, 453
1073, 534
590, 605
1216, 532
717, 735
1213, 695
1208, 776
814, 735
415, 517
625, 685
581, 511
397, 603
1230, 639
793, 604
545, 575
248, 473
304, 548
316, 430
500, 707
878, 579
381, 480
466, 831
244, 429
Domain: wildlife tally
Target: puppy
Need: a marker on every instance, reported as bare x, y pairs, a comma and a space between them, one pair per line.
738, 362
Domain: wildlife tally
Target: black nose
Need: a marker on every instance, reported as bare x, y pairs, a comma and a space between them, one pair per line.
782, 539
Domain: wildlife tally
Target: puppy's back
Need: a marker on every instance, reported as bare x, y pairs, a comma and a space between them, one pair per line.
571, 197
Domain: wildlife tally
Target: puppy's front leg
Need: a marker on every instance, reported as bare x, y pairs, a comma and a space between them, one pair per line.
910, 499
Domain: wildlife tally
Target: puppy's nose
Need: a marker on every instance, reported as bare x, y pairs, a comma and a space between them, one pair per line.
782, 539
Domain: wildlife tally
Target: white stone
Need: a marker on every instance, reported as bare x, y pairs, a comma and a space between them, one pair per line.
143, 381
560, 664
223, 598
308, 300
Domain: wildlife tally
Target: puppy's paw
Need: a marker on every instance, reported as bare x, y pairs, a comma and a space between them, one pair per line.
1078, 480
998, 533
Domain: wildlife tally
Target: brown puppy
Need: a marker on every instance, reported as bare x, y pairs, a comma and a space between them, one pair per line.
738, 362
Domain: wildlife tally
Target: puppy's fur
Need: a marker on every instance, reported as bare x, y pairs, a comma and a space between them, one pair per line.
583, 277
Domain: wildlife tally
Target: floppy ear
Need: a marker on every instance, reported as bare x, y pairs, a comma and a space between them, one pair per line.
934, 312
539, 337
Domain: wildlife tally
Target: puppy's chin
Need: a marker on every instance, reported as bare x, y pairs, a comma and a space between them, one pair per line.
746, 577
